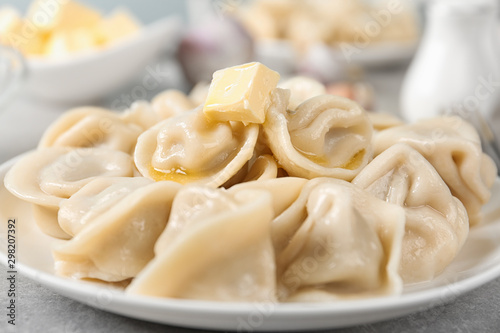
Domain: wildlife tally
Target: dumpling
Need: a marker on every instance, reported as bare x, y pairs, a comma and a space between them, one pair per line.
192, 149
94, 199
198, 95
216, 246
91, 127
381, 121
264, 167
453, 147
436, 222
47, 176
119, 242
336, 241
326, 136
141, 114
302, 88
284, 191
171, 103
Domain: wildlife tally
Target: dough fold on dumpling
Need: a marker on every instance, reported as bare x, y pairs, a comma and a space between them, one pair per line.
301, 89
381, 121
198, 95
326, 136
141, 114
284, 191
453, 147
171, 103
48, 175
216, 246
263, 167
94, 199
91, 127
436, 222
120, 242
192, 149
337, 241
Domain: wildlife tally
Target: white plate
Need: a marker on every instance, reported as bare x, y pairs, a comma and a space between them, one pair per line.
282, 57
478, 263
382, 54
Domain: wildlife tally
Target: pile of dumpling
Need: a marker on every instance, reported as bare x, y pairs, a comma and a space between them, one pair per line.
237, 194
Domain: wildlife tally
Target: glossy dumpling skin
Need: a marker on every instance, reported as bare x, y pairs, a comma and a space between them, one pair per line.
120, 242
263, 167
47, 176
216, 246
95, 198
171, 103
453, 147
141, 114
337, 241
302, 88
436, 222
284, 191
191, 149
325, 136
381, 121
199, 93
91, 127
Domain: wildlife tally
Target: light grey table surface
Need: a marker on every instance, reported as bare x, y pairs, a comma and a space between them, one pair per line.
42, 310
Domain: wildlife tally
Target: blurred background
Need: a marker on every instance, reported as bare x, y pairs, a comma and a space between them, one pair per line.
411, 59
145, 10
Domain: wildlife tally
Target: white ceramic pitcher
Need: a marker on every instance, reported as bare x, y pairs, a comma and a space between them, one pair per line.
457, 67
12, 72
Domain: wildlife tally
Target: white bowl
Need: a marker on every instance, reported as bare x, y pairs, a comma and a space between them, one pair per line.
89, 76
12, 73
282, 55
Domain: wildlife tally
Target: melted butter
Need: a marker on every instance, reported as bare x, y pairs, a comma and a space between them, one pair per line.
355, 161
178, 175
323, 160
318, 159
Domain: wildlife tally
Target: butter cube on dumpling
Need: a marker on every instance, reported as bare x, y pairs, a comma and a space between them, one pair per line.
240, 93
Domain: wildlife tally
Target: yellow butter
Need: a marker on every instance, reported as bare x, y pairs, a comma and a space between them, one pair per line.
24, 36
56, 29
64, 43
240, 93
10, 27
119, 24
61, 15
10, 20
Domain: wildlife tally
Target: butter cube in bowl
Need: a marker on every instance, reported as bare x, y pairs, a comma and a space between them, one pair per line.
76, 54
